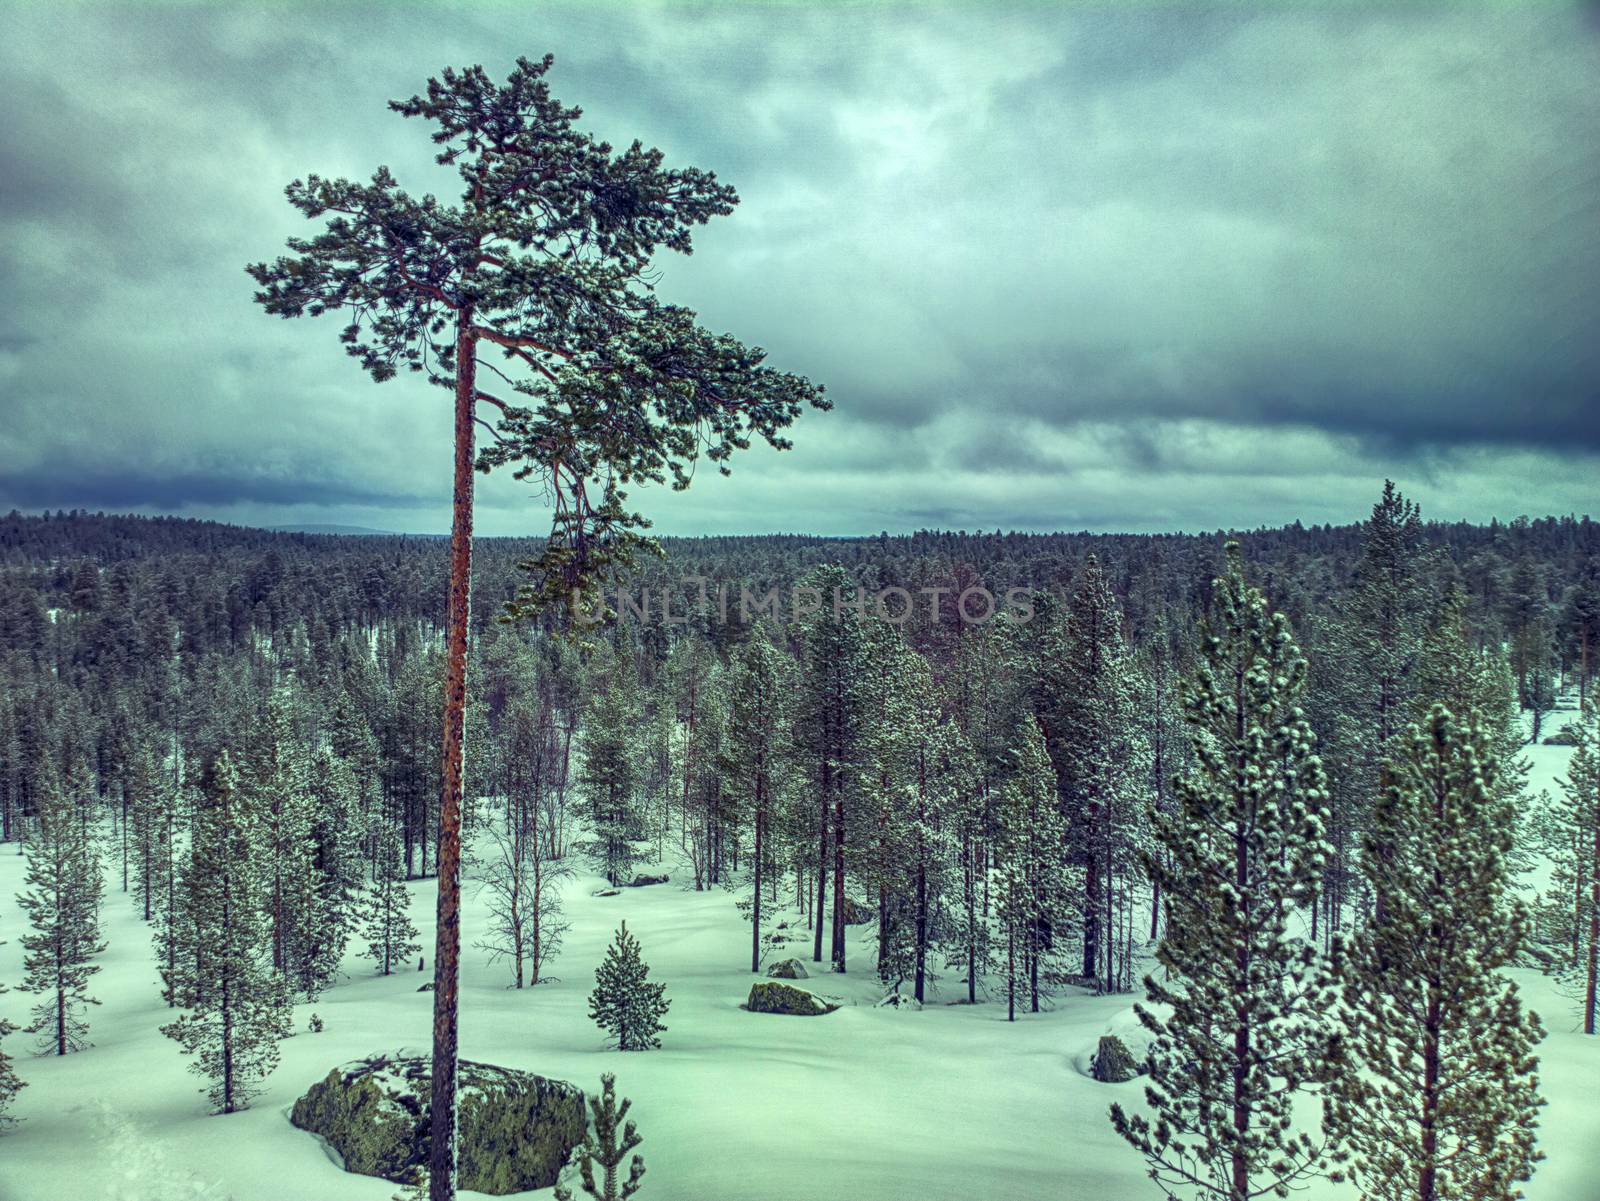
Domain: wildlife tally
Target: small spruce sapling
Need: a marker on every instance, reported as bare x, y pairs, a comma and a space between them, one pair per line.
624, 1003
601, 1146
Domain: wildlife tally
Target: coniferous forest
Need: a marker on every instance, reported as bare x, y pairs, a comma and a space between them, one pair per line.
592, 840
1234, 808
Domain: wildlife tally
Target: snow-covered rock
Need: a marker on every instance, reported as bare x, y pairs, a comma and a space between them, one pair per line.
899, 1001
772, 996
788, 969
517, 1129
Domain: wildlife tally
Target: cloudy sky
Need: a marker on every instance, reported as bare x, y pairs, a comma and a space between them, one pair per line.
1126, 268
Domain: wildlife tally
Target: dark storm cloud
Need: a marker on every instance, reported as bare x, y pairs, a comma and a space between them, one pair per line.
93, 486
1143, 267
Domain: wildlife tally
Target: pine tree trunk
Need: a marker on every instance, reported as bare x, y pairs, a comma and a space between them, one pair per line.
1091, 914
822, 862
1594, 925
1428, 1169
838, 882
922, 924
969, 870
61, 1014
755, 911
447, 944
1583, 667
883, 898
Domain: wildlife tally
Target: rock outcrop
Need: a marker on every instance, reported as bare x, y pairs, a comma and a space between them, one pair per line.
772, 996
517, 1129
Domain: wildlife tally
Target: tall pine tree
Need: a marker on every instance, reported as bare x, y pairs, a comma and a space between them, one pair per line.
1244, 848
1037, 889
609, 776
1440, 1098
754, 758
237, 1005
546, 257
62, 904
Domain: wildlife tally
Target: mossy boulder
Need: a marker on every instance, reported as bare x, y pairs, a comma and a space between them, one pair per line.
772, 996
517, 1129
788, 969
1113, 1063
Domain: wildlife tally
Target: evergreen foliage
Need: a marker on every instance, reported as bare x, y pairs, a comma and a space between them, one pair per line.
389, 931
1243, 849
1441, 1096
624, 1003
828, 729
1569, 830
1036, 891
609, 778
62, 905
10, 1083
237, 1006
754, 759
611, 1136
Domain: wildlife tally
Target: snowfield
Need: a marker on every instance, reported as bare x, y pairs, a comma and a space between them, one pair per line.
948, 1103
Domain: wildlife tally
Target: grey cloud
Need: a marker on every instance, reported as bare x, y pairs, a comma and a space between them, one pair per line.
1028, 249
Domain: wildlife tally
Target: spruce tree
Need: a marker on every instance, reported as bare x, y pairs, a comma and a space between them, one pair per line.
624, 1003
150, 802
326, 892
754, 758
1087, 703
1365, 691
237, 1005
603, 1147
609, 777
170, 913
1440, 1096
828, 731
391, 936
279, 782
62, 904
987, 692
1037, 889
1243, 847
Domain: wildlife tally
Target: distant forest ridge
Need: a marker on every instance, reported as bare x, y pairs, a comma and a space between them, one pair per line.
27, 539
1529, 579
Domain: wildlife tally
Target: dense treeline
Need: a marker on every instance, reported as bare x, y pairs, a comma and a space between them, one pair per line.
1015, 784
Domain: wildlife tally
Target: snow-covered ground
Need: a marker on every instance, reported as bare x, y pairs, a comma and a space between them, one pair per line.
869, 1104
